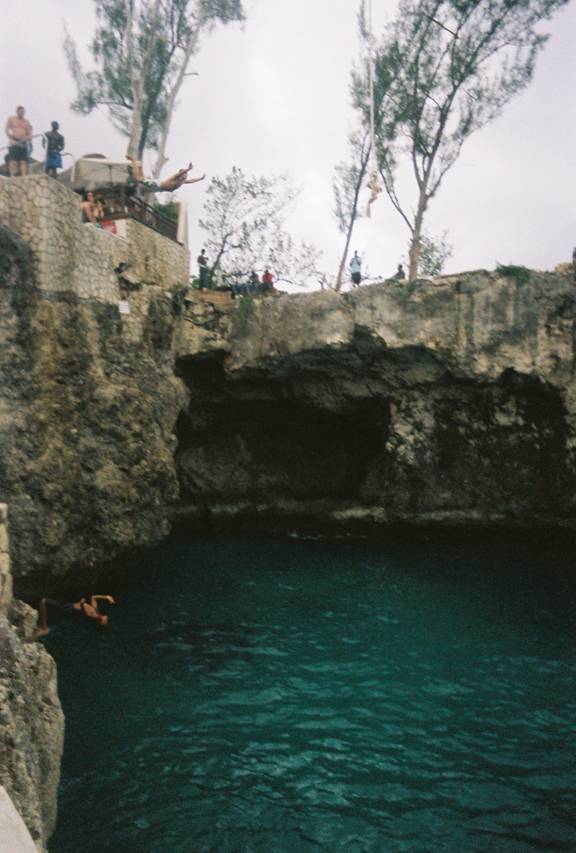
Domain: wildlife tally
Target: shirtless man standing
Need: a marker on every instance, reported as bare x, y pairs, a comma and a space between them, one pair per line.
19, 133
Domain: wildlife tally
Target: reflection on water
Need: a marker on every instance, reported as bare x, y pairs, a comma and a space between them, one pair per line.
258, 694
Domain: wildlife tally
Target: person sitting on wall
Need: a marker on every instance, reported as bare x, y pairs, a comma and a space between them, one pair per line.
168, 185
87, 607
399, 275
54, 143
19, 133
92, 209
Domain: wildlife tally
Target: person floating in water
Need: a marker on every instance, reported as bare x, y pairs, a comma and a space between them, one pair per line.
87, 607
168, 185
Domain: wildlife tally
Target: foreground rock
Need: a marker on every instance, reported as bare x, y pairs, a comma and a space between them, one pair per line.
31, 719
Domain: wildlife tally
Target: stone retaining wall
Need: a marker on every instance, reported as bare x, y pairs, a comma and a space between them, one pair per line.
70, 256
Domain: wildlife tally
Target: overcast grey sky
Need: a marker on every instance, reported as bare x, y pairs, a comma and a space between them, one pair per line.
272, 96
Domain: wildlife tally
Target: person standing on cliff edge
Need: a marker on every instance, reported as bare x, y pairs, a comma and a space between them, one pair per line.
202, 262
356, 270
19, 133
53, 141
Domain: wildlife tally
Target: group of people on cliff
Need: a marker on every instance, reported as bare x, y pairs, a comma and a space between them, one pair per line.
252, 285
20, 135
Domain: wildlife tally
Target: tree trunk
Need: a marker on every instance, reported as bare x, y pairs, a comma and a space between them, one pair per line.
353, 217
138, 75
338, 285
414, 254
188, 51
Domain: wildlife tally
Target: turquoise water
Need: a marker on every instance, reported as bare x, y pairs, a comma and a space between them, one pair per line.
267, 694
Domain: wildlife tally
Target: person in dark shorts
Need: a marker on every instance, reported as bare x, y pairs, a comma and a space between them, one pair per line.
19, 133
356, 270
86, 607
202, 262
54, 143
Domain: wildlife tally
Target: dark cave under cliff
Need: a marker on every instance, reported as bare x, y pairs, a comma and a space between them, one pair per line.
387, 437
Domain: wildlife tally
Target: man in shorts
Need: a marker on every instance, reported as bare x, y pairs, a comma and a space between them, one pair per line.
356, 270
19, 133
54, 143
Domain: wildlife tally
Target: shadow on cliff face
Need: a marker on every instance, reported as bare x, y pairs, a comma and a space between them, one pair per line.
232, 448
398, 442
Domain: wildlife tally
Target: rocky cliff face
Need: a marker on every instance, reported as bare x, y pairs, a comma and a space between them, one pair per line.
429, 402
88, 403
31, 719
432, 402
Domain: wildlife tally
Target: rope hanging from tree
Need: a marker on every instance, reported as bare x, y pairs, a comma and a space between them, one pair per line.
374, 181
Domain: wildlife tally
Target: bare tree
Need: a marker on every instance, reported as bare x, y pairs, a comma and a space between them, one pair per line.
244, 224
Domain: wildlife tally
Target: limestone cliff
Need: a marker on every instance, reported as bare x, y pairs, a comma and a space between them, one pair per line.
446, 401
449, 401
88, 404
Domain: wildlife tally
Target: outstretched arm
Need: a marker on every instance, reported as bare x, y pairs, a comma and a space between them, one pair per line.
194, 180
108, 598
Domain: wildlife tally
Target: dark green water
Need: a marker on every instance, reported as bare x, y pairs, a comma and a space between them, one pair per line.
262, 694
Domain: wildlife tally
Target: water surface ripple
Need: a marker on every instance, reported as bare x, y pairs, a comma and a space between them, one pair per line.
259, 694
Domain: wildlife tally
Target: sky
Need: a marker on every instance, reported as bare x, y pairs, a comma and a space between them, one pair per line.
272, 96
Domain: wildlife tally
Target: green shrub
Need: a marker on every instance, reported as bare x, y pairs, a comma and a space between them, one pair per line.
520, 274
242, 314
168, 210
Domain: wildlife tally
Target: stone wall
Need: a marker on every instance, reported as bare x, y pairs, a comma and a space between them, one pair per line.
77, 258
